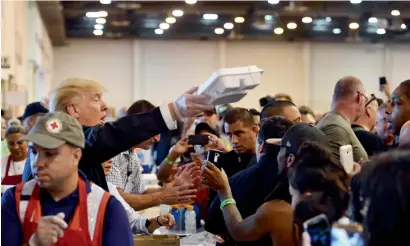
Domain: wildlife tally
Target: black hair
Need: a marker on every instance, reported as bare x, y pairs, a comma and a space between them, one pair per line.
140, 106
315, 172
265, 100
304, 110
387, 192
239, 114
406, 85
273, 127
275, 108
254, 112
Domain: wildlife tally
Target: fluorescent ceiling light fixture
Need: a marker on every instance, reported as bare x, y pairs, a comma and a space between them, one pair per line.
239, 19
219, 31
228, 26
210, 16
355, 1
102, 13
268, 17
98, 27
307, 19
381, 31
278, 30
170, 20
105, 1
337, 31
291, 25
395, 12
273, 1
354, 25
373, 20
177, 13
100, 21
159, 31
164, 26
328, 19
98, 32
190, 1
403, 26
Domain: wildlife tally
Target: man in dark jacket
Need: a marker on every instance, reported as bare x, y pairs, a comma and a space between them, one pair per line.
82, 98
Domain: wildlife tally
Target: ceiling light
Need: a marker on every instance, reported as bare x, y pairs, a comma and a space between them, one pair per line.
98, 26
210, 16
273, 1
100, 21
354, 25
92, 14
381, 31
190, 1
239, 19
159, 31
219, 30
164, 26
98, 32
170, 20
373, 20
395, 12
278, 30
307, 19
228, 25
328, 19
105, 1
355, 1
177, 13
291, 25
403, 26
337, 31
102, 13
268, 17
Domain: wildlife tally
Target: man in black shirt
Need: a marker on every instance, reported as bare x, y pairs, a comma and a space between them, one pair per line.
362, 127
241, 131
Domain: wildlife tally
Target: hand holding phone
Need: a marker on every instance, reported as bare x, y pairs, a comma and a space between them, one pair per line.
319, 230
200, 140
214, 156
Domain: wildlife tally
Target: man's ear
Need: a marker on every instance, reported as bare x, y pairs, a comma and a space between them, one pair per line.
72, 111
255, 129
367, 111
290, 160
77, 152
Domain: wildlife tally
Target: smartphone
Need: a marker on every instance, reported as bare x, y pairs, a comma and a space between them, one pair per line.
382, 83
347, 235
214, 157
346, 157
201, 140
319, 230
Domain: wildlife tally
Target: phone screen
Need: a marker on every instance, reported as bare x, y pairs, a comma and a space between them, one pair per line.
346, 237
201, 140
319, 233
382, 82
214, 157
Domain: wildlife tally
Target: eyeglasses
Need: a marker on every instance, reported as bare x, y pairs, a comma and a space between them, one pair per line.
365, 97
372, 98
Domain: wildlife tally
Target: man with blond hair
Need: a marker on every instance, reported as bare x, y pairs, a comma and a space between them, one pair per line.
83, 99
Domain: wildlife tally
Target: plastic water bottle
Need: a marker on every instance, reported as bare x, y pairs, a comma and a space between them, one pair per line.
190, 220
177, 215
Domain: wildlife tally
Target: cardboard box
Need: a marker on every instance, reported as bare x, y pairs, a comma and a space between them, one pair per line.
157, 240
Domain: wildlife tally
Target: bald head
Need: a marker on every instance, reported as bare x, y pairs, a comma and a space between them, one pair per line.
347, 87
405, 134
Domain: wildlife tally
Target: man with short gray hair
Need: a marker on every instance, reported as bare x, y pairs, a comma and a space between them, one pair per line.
348, 105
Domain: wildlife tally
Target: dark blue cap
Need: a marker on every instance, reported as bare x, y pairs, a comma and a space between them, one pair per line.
34, 108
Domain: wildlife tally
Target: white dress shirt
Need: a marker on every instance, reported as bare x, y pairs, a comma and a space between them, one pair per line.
137, 222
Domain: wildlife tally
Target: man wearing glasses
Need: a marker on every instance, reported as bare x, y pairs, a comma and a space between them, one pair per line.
348, 105
364, 126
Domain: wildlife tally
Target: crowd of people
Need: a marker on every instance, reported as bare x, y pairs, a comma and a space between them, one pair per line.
72, 169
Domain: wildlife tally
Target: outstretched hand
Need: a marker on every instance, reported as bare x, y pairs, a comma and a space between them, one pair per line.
215, 178
190, 105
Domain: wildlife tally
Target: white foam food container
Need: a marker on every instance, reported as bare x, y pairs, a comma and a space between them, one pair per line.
229, 85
